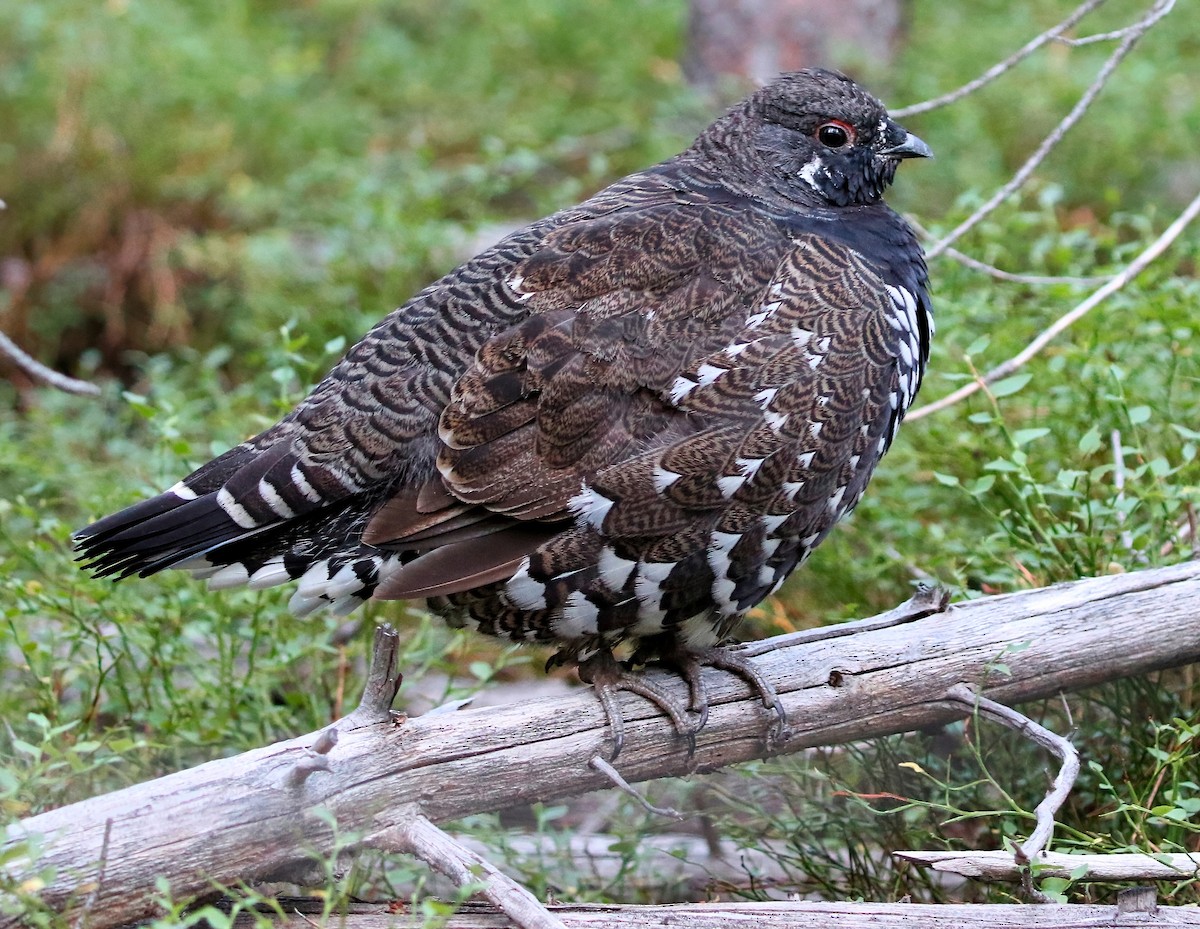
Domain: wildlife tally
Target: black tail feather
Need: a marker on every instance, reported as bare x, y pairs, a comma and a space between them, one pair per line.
156, 534
101, 529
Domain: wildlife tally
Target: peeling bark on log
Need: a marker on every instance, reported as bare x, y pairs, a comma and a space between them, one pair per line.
251, 818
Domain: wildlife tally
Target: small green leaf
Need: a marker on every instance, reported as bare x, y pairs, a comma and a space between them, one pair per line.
982, 485
1054, 887
1139, 415
138, 402
1089, 442
1010, 385
1068, 477
978, 346
1024, 436
946, 480
214, 918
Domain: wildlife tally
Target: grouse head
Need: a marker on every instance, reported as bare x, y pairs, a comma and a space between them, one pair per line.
817, 139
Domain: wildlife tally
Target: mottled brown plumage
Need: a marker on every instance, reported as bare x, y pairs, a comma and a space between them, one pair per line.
630, 420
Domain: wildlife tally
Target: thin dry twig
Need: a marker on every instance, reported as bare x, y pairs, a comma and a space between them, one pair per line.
1135, 32
1119, 486
1185, 533
38, 371
999, 273
1000, 67
420, 837
1128, 273
599, 764
1115, 34
927, 600
1013, 277
1063, 782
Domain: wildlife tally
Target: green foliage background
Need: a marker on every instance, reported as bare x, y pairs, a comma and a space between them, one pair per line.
207, 202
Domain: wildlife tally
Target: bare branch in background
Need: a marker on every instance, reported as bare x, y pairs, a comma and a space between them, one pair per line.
467, 869
1000, 67
38, 371
1162, 10
1132, 35
1000, 865
35, 369
1010, 276
1029, 851
1132, 270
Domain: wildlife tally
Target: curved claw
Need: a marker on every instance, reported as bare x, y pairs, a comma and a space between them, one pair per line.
608, 676
728, 660
691, 668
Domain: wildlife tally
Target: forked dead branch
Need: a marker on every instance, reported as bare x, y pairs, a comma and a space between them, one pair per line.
389, 782
1127, 38
250, 818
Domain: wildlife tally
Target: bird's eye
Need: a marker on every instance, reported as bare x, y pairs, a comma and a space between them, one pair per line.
834, 134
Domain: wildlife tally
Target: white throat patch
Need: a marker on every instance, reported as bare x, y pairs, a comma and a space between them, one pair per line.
810, 171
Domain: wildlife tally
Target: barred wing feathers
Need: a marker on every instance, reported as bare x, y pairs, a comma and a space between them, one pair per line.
691, 474
636, 413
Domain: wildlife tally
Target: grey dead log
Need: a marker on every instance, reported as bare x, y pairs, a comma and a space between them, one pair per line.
797, 915
248, 818
1000, 866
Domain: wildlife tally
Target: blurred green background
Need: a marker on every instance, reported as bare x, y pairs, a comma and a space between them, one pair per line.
207, 202
197, 174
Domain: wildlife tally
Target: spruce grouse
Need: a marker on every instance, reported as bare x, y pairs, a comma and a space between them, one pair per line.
630, 420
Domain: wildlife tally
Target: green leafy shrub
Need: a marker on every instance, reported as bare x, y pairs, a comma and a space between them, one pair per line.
212, 200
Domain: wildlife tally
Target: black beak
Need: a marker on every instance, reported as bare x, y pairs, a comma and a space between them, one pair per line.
909, 146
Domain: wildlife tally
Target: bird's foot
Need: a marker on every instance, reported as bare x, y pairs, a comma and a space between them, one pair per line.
609, 676
690, 665
727, 659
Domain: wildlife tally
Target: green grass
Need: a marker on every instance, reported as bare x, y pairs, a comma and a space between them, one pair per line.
211, 202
